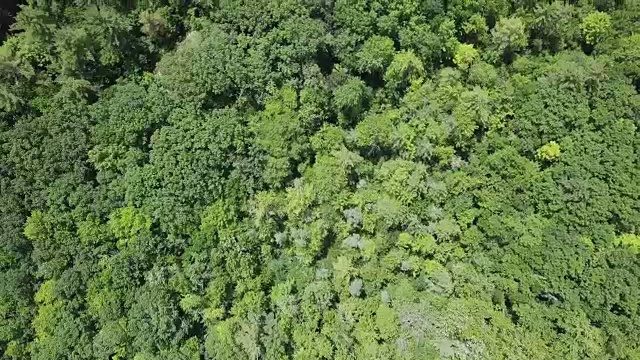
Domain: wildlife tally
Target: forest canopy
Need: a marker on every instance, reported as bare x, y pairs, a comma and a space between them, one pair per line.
310, 179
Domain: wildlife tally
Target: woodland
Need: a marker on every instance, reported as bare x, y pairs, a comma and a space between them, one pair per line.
320, 179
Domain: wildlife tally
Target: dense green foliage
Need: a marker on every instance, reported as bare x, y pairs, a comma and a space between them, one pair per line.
302, 179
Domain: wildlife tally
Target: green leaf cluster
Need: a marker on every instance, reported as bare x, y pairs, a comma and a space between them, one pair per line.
362, 179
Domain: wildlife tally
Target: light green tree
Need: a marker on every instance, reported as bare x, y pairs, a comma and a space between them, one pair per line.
465, 55
595, 27
549, 151
509, 35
